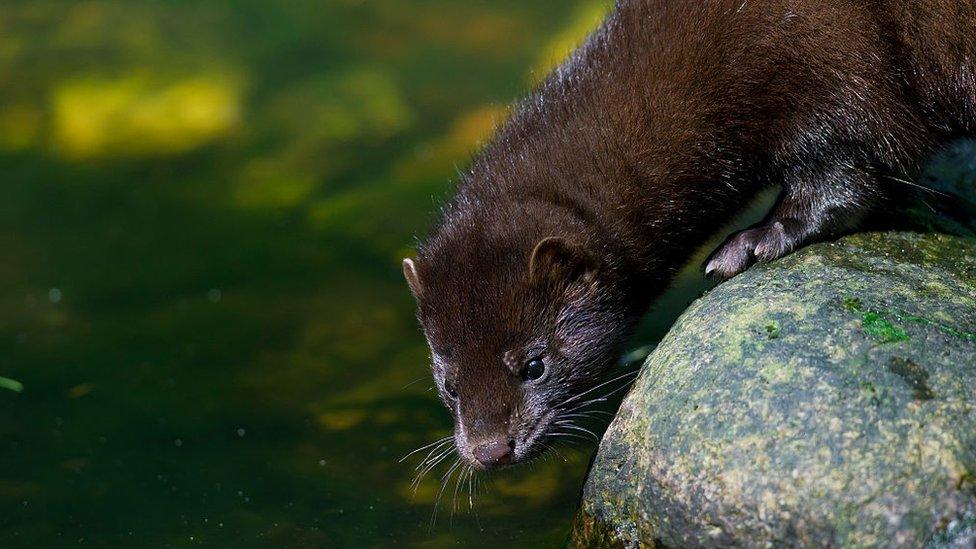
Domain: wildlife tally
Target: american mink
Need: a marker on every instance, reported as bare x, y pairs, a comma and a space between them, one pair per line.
663, 124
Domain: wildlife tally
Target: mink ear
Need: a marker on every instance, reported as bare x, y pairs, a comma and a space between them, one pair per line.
413, 279
557, 259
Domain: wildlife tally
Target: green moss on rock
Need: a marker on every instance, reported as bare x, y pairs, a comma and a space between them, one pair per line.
828, 398
878, 327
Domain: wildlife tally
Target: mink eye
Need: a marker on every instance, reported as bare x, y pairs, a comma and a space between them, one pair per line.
534, 369
451, 389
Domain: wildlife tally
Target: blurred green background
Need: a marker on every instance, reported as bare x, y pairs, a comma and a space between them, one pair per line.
203, 206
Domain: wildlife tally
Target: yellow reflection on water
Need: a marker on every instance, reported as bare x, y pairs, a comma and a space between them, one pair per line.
537, 487
586, 17
341, 420
327, 117
463, 137
138, 115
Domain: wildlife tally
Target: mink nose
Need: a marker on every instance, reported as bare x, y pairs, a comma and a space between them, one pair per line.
495, 452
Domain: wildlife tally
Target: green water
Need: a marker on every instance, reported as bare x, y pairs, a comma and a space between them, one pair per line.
203, 206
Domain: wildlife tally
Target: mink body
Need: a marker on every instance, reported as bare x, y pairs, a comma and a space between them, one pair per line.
647, 140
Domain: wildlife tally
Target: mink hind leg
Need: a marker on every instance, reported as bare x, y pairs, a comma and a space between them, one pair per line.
811, 207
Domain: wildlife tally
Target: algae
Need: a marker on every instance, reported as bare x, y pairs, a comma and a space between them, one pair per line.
878, 327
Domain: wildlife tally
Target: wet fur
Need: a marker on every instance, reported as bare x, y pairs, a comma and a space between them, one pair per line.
661, 126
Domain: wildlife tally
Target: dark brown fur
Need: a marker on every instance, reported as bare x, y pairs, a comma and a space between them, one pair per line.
668, 119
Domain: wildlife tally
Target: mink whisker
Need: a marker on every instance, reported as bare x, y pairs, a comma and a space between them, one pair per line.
445, 480
916, 185
428, 468
604, 384
437, 442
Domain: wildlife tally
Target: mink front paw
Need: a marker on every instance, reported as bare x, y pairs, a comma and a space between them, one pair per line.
759, 244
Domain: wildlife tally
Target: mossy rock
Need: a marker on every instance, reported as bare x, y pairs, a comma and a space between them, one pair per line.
825, 399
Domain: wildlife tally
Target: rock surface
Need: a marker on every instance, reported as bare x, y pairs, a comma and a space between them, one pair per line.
828, 398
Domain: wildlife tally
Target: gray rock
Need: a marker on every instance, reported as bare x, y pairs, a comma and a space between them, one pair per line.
828, 398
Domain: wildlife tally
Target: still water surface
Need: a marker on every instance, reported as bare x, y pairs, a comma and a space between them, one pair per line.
204, 209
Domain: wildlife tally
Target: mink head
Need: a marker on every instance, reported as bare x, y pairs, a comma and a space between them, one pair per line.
519, 328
